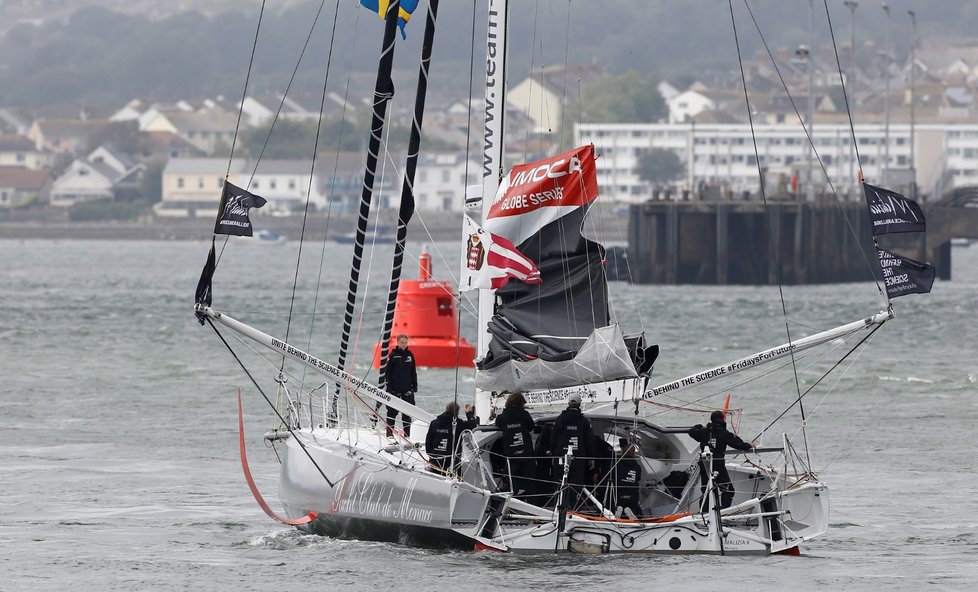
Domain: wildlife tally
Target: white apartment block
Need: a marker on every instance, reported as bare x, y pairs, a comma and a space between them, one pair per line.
722, 156
440, 181
193, 186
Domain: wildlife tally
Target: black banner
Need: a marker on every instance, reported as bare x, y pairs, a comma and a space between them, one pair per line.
905, 276
232, 215
203, 293
891, 212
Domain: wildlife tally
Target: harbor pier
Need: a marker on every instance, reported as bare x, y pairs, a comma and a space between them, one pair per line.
744, 242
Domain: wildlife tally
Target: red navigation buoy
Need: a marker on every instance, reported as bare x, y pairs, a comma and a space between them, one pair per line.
425, 312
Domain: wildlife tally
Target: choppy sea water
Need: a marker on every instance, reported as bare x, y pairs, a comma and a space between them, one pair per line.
120, 471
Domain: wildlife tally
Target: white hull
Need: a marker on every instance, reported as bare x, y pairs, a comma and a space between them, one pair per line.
381, 494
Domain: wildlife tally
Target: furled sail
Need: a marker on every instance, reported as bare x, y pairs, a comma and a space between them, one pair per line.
555, 333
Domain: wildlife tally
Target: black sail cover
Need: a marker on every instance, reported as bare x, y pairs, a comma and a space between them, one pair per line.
556, 333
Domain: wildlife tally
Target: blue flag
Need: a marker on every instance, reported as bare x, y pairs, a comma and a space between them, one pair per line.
404, 13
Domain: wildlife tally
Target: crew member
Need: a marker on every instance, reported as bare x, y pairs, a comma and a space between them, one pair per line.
573, 431
517, 426
402, 382
718, 438
441, 443
628, 478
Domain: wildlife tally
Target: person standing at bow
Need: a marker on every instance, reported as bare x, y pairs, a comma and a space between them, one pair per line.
402, 382
718, 438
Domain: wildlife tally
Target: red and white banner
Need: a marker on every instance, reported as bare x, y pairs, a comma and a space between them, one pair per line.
488, 261
535, 194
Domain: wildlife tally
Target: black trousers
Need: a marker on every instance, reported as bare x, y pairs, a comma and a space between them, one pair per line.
577, 479
408, 397
723, 483
628, 498
522, 472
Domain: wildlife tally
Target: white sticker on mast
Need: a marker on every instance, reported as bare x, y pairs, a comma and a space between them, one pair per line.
492, 157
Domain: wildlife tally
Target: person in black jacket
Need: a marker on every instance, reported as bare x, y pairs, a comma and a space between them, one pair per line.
571, 429
401, 381
718, 438
441, 443
628, 479
517, 426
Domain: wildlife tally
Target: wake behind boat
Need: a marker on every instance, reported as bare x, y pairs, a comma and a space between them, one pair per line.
628, 482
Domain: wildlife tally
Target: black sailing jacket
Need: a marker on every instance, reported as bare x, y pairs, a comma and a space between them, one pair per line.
517, 426
719, 438
573, 429
436, 443
402, 375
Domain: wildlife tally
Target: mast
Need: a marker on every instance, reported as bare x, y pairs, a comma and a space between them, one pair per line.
383, 92
406, 209
492, 157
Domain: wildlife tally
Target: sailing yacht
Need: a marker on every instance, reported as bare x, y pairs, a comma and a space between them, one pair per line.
547, 333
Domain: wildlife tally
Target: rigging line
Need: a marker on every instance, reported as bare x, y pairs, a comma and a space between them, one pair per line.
838, 380
827, 372
771, 238
533, 59
312, 167
370, 260
288, 87
845, 94
811, 142
468, 132
855, 146
244, 92
336, 160
383, 92
288, 427
263, 356
563, 85
406, 206
329, 60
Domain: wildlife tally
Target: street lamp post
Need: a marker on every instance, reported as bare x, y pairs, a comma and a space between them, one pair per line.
913, 99
886, 100
852, 4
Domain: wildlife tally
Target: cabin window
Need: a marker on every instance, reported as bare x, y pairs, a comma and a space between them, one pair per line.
271, 184
180, 182
200, 183
446, 176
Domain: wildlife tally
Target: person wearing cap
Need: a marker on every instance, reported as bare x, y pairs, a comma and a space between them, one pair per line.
573, 431
517, 426
718, 438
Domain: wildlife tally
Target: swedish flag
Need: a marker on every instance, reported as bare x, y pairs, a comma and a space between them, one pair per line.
404, 14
